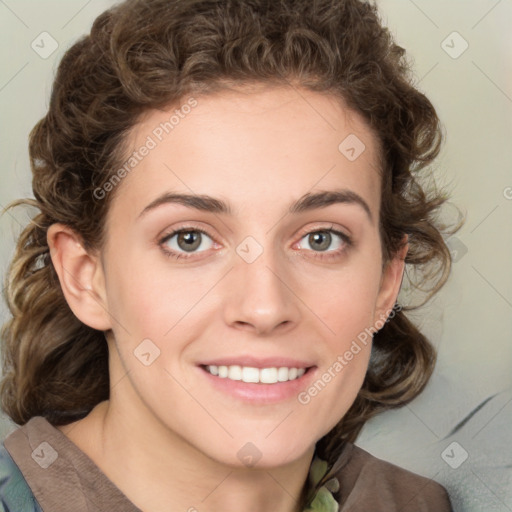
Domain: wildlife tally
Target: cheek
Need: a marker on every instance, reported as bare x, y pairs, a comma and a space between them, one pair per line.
150, 300
348, 311
346, 301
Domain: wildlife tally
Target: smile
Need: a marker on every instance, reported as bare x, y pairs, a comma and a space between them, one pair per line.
250, 374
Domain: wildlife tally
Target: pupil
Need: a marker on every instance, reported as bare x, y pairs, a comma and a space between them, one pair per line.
189, 240
322, 240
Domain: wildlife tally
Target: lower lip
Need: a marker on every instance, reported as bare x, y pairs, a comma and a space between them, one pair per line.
258, 393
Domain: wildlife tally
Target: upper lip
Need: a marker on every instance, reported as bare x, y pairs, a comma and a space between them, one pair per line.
257, 362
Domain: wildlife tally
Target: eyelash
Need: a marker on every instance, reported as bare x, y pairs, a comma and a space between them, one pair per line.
168, 236
329, 255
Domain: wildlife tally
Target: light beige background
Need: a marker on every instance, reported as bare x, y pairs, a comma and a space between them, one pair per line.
470, 320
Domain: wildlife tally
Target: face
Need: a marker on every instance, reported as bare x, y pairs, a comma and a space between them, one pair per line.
242, 265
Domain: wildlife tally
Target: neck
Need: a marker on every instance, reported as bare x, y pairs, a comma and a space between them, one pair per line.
159, 471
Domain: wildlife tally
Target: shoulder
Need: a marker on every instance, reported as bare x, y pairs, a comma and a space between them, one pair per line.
370, 483
15, 494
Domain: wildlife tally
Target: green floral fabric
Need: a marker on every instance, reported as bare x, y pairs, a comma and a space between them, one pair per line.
320, 497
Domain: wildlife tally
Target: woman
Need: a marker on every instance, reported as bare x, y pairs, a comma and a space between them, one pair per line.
204, 311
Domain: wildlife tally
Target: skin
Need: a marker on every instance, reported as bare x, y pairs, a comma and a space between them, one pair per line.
167, 438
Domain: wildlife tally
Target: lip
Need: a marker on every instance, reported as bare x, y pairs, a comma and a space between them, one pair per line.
258, 393
258, 362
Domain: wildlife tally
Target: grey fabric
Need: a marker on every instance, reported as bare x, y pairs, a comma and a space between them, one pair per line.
15, 494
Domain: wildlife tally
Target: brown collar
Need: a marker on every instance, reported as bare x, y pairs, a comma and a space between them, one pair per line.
60, 475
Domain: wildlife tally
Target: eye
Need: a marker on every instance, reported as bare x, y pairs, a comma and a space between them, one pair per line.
325, 240
183, 241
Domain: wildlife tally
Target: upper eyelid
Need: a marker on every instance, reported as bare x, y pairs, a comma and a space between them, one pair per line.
331, 227
345, 238
342, 233
169, 233
191, 227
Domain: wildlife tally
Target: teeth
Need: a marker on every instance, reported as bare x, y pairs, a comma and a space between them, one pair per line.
250, 374
268, 375
256, 375
235, 372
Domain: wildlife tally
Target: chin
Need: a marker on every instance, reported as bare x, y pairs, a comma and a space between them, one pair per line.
261, 453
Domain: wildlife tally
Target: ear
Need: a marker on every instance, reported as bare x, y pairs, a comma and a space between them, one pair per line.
81, 277
390, 283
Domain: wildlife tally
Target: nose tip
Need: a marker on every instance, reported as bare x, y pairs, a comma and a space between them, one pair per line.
260, 300
261, 323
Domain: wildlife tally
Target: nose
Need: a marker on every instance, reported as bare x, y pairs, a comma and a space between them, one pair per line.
260, 298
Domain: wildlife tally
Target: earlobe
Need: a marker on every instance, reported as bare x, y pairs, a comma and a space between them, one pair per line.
391, 282
80, 276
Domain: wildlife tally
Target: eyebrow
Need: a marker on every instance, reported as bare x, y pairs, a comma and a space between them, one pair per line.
326, 198
307, 202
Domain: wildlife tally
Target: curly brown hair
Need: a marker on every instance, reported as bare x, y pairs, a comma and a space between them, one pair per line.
147, 54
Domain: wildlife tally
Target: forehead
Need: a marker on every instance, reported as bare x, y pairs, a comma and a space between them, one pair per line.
251, 146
